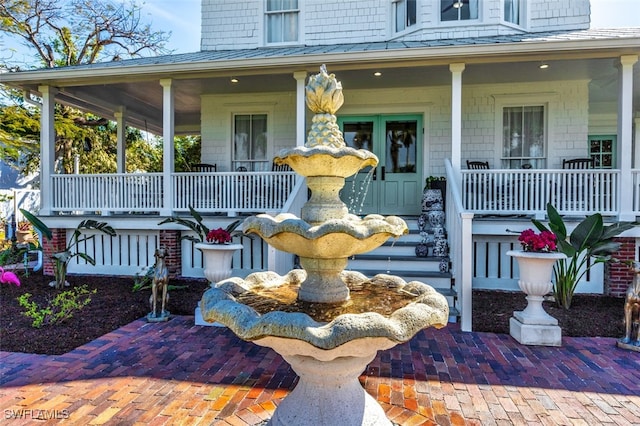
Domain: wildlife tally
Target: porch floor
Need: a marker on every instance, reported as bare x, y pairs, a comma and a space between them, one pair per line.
179, 373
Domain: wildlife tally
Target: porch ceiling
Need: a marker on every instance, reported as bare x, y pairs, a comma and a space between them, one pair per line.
142, 95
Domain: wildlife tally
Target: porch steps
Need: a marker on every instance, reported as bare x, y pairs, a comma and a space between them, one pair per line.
398, 257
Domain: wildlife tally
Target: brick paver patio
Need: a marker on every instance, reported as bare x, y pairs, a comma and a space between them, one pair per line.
180, 374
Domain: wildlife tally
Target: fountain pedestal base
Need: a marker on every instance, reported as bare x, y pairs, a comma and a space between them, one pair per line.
328, 392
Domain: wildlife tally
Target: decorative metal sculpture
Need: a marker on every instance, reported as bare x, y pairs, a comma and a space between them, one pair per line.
631, 339
159, 287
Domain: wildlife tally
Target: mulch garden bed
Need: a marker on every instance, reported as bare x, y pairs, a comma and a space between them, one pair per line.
115, 304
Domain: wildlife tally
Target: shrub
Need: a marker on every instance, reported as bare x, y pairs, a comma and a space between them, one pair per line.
62, 307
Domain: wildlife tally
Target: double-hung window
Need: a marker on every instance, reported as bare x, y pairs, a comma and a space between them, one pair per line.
458, 10
250, 142
282, 21
523, 136
513, 11
405, 14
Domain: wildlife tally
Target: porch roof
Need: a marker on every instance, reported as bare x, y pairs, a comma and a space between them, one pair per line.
103, 87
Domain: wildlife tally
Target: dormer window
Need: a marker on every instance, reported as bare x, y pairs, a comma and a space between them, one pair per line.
405, 13
458, 10
512, 11
282, 21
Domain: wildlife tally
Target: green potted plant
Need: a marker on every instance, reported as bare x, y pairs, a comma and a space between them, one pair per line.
589, 240
215, 244
62, 258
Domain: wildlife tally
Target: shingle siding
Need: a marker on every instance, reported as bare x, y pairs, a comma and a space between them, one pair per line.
232, 24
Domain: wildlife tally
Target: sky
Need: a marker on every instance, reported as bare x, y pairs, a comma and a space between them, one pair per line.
182, 18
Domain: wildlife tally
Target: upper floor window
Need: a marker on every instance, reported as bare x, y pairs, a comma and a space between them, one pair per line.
282, 21
523, 136
458, 10
512, 11
405, 11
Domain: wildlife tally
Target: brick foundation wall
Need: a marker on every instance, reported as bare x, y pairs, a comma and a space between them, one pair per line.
56, 244
170, 241
618, 275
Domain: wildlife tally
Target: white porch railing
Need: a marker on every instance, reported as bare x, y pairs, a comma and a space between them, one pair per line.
232, 192
130, 192
227, 192
528, 191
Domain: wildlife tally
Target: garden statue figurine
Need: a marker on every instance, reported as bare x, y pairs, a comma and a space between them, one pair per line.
631, 339
159, 286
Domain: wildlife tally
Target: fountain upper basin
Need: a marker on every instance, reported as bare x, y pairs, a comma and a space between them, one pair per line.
326, 161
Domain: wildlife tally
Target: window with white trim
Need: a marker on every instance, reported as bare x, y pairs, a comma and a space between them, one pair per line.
523, 137
603, 150
281, 17
513, 11
405, 14
250, 142
458, 10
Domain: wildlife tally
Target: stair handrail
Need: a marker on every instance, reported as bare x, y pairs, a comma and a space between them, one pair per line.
460, 235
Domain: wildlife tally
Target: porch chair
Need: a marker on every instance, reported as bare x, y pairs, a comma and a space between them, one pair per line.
204, 168
477, 165
579, 188
280, 189
578, 163
479, 187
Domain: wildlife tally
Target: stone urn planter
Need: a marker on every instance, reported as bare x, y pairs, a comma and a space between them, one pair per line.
533, 325
217, 260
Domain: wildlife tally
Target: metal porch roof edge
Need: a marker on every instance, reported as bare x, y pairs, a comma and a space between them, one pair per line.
627, 39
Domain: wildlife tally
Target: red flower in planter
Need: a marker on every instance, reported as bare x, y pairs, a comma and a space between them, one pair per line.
544, 242
218, 236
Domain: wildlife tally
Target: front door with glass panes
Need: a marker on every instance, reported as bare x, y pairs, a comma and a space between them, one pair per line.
394, 186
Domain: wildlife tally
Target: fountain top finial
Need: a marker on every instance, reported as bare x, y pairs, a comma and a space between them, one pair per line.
324, 93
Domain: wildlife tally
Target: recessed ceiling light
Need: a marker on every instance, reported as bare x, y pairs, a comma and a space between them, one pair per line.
234, 80
377, 73
544, 66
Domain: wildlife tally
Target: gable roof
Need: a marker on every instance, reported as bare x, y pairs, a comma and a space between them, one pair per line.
591, 39
105, 87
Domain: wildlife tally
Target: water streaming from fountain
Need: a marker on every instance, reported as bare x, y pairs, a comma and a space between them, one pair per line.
325, 321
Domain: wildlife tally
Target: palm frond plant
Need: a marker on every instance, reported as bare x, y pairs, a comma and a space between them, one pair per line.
197, 225
589, 240
62, 258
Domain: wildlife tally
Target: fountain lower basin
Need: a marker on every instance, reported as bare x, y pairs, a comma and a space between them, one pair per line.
329, 353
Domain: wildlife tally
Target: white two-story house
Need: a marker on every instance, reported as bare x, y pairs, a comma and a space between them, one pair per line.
520, 85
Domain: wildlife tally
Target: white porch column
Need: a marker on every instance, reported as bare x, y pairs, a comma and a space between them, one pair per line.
301, 107
456, 117
47, 147
121, 140
636, 142
168, 131
625, 129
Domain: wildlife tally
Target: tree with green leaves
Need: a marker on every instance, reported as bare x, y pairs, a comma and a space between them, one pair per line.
66, 33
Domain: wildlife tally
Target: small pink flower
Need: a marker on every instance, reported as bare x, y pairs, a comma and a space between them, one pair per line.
7, 277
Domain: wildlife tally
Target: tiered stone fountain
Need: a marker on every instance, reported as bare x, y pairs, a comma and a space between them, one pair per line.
327, 323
